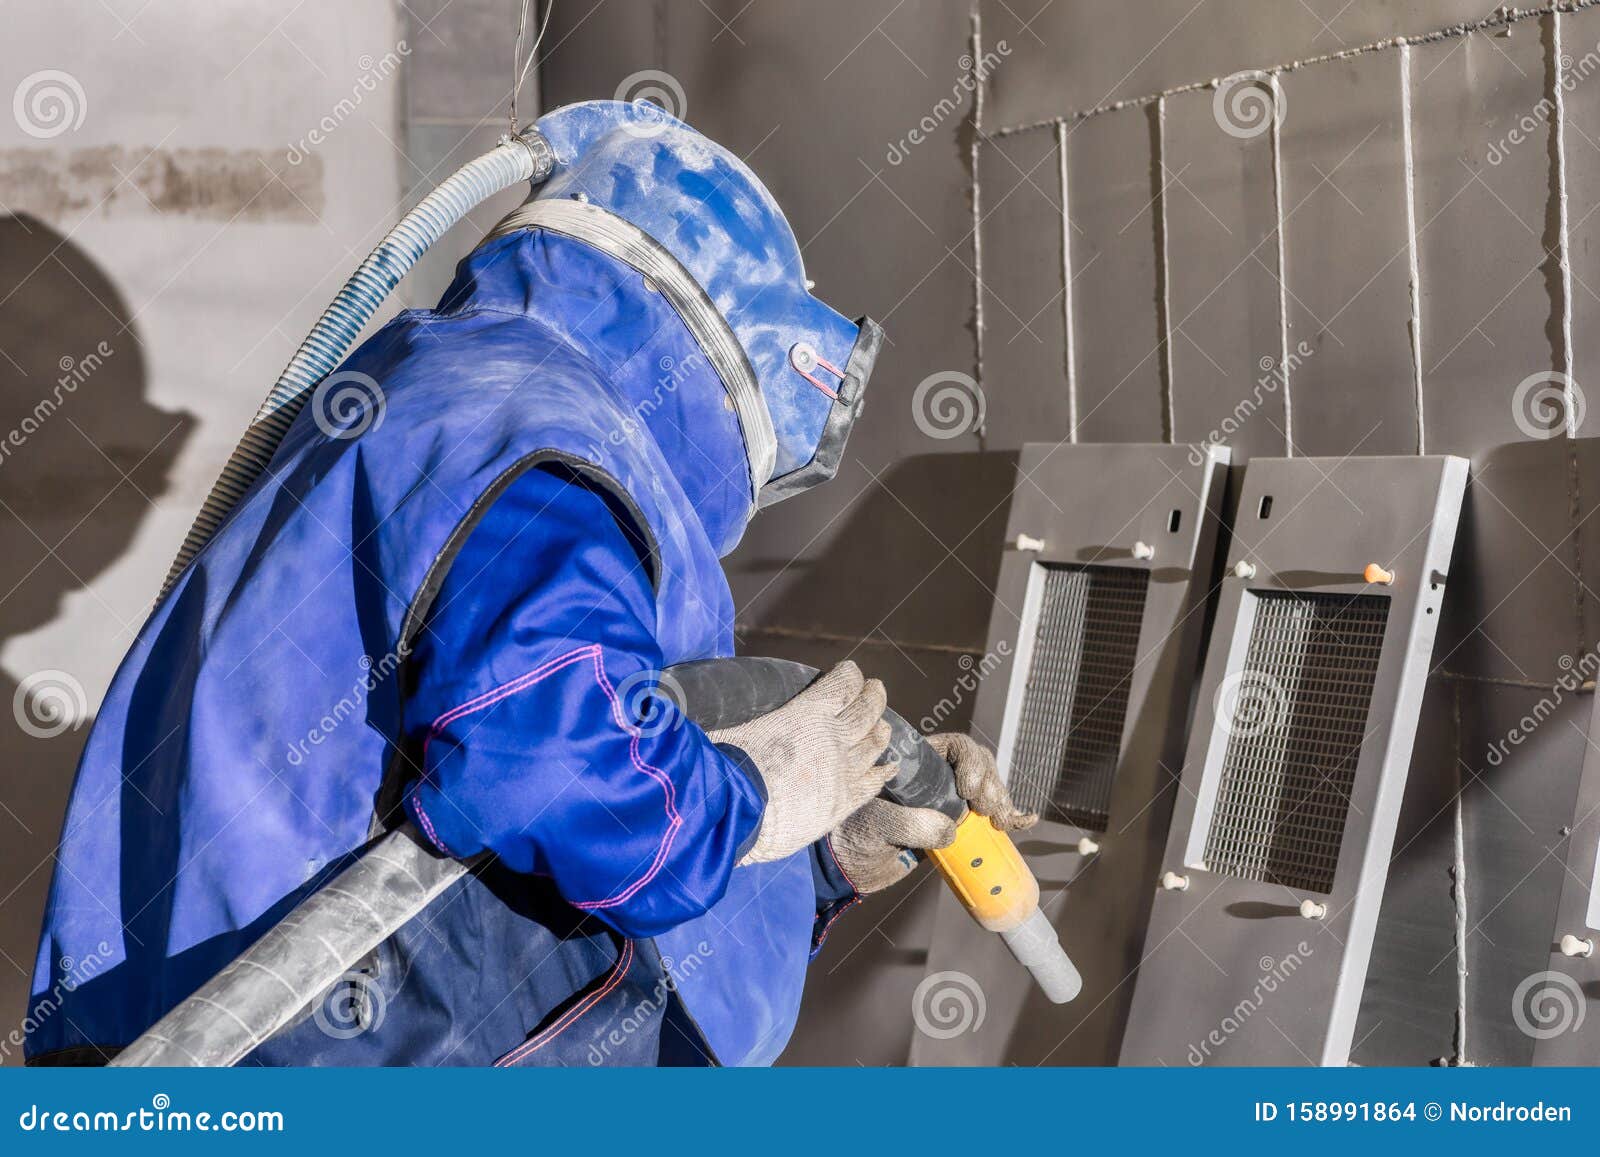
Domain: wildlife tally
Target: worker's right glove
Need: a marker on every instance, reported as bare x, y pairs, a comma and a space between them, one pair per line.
877, 846
816, 757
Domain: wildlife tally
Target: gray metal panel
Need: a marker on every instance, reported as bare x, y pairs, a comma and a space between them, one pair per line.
1580, 32
1070, 56
1225, 944
1554, 1007
1544, 757
1516, 812
1346, 260
1025, 341
1511, 615
1116, 278
1410, 1005
1491, 304
1090, 504
1222, 261
1491, 287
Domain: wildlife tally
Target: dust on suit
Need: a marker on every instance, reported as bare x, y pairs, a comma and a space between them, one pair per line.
446, 601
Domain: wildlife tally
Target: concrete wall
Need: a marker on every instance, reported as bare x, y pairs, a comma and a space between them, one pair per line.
164, 256
1426, 262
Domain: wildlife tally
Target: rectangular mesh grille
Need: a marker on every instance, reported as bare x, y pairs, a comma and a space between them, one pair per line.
1069, 731
1295, 716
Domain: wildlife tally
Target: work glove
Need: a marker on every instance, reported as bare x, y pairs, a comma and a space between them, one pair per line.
816, 756
978, 780
877, 845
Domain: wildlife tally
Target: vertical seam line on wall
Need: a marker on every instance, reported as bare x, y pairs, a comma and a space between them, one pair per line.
1568, 384
1164, 272
1412, 243
1070, 338
976, 199
1283, 286
1459, 892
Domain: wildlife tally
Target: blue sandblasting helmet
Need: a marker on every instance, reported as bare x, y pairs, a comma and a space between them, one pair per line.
644, 187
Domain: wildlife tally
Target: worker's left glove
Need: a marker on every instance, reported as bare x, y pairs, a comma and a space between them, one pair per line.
877, 845
978, 780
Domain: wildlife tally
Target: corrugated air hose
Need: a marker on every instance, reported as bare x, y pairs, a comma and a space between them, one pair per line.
525, 157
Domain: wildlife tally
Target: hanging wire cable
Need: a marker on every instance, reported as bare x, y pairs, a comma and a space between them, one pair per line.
519, 66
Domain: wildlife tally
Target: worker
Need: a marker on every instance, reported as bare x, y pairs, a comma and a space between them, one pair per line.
449, 600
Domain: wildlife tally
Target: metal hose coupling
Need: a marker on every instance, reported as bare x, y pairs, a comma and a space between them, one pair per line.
543, 157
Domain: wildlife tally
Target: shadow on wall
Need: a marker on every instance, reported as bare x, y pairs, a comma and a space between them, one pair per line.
933, 525
82, 455
913, 555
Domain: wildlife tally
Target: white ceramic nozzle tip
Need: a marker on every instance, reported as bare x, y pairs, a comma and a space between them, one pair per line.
1036, 947
1576, 945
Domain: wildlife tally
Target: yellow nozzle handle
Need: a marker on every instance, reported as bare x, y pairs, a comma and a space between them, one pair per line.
992, 881
988, 874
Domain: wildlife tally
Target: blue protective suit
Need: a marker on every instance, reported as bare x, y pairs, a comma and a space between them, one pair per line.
449, 605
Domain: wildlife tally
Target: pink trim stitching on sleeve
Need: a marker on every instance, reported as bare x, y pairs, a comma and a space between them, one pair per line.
537, 675
674, 820
827, 925
427, 826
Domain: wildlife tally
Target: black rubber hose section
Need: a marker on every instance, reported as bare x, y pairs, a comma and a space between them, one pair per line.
718, 693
